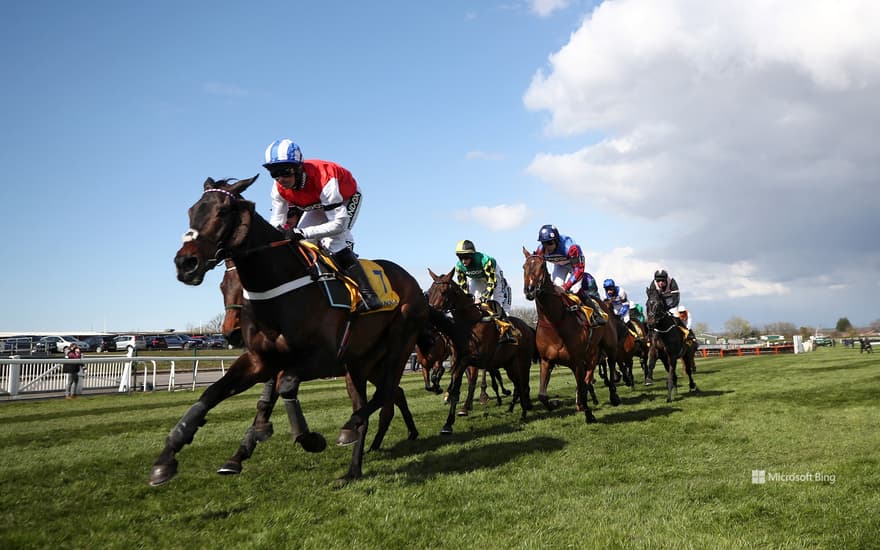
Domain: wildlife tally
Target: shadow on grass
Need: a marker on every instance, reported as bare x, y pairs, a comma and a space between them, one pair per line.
488, 456
683, 393
637, 416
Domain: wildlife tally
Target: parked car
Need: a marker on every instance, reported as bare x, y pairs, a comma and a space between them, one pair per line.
823, 341
198, 342
177, 341
216, 341
128, 342
18, 344
58, 344
99, 343
156, 342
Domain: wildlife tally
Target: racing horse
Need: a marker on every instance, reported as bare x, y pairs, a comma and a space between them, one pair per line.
432, 349
564, 336
298, 333
668, 342
477, 345
239, 329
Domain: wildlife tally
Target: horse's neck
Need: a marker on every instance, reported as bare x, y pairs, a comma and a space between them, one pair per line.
551, 306
261, 267
465, 310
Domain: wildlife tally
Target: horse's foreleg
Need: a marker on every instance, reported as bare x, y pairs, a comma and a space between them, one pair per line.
472, 372
484, 395
436, 374
260, 430
671, 379
581, 393
546, 369
454, 390
237, 379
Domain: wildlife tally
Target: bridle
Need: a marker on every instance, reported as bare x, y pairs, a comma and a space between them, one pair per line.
220, 252
541, 283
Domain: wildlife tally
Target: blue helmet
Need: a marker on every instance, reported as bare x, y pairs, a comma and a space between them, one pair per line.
282, 151
609, 283
548, 233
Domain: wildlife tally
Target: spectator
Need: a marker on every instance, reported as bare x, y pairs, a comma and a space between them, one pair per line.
73, 372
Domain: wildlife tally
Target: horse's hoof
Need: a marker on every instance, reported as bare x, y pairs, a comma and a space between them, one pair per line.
695, 389
649, 382
446, 430
591, 419
413, 435
162, 473
313, 442
346, 437
229, 469
615, 400
484, 399
462, 412
506, 393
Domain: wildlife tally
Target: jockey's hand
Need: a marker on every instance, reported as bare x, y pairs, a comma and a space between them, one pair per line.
294, 234
478, 299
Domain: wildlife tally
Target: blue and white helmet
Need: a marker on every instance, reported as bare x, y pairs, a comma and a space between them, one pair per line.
283, 151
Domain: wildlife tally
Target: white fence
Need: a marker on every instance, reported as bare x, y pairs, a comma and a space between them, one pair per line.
121, 373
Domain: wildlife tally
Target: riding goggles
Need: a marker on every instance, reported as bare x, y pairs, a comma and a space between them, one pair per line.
281, 171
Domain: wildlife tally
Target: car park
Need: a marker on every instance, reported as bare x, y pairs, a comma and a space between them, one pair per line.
177, 341
99, 344
58, 344
156, 342
127, 342
18, 344
216, 341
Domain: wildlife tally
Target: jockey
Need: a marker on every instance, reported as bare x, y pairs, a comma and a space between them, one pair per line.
330, 199
478, 274
620, 302
566, 266
668, 289
684, 316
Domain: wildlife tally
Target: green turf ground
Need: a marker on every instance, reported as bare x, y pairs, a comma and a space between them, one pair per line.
650, 474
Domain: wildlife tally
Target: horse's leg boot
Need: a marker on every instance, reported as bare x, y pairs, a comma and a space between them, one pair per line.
353, 268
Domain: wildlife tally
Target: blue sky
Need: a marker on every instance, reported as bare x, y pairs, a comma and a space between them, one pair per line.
733, 147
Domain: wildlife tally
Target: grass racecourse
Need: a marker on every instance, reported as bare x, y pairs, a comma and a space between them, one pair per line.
649, 474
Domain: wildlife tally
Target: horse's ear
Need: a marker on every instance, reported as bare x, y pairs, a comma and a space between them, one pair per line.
433, 275
450, 274
209, 184
526, 252
241, 185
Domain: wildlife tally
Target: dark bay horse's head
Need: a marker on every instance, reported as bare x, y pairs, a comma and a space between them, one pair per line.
440, 295
655, 309
233, 302
218, 224
535, 274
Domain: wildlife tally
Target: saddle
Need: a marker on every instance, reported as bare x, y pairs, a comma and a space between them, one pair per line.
491, 313
341, 290
574, 303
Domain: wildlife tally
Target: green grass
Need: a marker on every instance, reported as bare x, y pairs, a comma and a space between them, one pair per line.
650, 474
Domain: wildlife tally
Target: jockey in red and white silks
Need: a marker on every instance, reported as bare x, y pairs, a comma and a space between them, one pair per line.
330, 200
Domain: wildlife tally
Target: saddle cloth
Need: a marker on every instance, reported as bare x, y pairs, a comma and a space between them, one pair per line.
489, 314
575, 300
342, 291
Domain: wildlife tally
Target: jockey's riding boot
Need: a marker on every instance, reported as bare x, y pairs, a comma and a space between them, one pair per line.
597, 319
350, 265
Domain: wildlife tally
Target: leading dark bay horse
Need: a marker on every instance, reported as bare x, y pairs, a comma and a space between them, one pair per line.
564, 336
477, 344
668, 342
239, 328
298, 333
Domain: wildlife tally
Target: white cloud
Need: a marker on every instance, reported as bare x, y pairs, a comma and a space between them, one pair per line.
744, 131
545, 8
496, 218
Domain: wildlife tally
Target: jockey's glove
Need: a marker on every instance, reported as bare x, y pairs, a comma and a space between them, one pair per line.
294, 234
